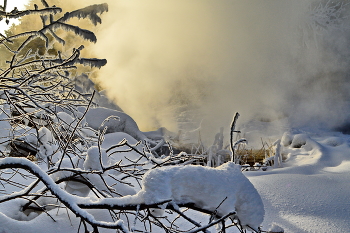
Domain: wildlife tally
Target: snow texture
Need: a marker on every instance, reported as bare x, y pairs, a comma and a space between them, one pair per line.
308, 193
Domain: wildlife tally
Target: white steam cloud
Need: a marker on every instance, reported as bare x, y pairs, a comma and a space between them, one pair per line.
264, 59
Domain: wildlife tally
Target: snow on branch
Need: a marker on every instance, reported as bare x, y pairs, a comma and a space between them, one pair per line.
248, 210
14, 14
85, 34
89, 12
31, 33
329, 15
67, 199
92, 62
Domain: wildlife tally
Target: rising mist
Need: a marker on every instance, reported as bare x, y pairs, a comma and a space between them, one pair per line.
265, 59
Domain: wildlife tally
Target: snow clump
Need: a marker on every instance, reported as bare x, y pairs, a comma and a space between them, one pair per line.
47, 142
224, 189
93, 161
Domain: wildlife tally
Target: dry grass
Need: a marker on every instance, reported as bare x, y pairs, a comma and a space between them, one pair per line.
252, 156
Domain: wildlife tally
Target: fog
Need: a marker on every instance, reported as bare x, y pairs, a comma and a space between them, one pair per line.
266, 60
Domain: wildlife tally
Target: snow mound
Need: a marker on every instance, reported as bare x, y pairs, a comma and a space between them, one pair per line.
313, 151
113, 139
115, 121
299, 140
224, 189
286, 139
68, 122
47, 142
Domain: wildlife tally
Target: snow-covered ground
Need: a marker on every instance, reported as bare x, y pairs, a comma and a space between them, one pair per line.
308, 192
311, 192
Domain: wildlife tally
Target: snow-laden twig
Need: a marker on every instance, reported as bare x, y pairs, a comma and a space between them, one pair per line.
73, 132
89, 12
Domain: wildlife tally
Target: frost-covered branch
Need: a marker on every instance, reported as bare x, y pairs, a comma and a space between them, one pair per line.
232, 143
14, 14
89, 12
70, 201
78, 204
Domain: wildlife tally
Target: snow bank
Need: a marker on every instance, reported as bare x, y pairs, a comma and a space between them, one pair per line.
206, 187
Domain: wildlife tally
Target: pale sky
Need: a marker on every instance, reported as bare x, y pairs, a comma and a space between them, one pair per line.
10, 5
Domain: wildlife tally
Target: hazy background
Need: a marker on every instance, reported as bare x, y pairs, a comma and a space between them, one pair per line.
204, 59
265, 59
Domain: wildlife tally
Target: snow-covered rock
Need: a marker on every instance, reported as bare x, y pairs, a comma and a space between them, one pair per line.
98, 118
286, 139
299, 140
113, 139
